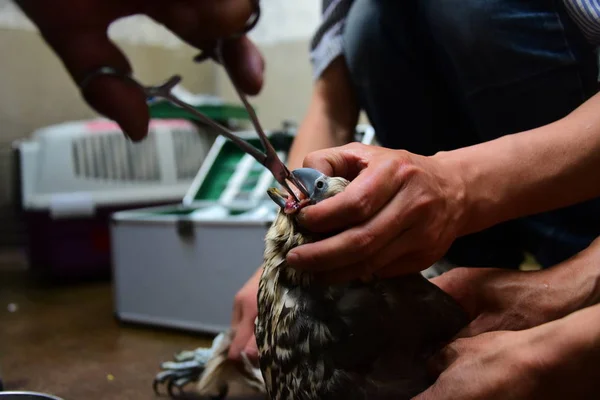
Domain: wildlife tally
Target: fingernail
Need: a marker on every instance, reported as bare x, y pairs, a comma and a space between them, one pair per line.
250, 352
256, 65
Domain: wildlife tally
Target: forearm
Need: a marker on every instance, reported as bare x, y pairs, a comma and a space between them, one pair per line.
530, 172
567, 353
578, 278
571, 285
582, 330
332, 115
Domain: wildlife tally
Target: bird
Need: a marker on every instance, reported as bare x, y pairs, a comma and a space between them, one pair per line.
367, 339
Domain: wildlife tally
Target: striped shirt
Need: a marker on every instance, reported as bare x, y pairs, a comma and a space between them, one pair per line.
326, 43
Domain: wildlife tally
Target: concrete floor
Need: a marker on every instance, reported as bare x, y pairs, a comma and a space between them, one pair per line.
63, 340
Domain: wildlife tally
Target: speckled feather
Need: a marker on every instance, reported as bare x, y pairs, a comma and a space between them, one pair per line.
360, 340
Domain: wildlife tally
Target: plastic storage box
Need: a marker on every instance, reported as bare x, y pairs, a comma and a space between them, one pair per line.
180, 266
71, 177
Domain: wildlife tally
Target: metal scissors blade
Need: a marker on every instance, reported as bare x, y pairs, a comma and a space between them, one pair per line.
271, 160
268, 158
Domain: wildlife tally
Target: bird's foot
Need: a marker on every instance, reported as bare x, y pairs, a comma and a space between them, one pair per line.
187, 367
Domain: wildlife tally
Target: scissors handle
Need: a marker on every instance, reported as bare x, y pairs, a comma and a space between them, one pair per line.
164, 91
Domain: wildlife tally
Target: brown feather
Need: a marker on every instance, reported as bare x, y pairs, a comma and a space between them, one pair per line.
359, 340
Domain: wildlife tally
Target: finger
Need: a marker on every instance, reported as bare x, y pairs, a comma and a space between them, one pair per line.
358, 244
402, 255
83, 52
200, 24
344, 161
366, 270
482, 323
243, 332
405, 264
446, 281
438, 391
440, 361
463, 284
428, 394
471, 330
368, 193
236, 315
343, 275
246, 64
251, 349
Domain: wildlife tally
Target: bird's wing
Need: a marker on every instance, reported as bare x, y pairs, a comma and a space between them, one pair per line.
387, 330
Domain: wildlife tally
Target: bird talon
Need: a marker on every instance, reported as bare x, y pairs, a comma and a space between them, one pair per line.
160, 378
185, 355
179, 384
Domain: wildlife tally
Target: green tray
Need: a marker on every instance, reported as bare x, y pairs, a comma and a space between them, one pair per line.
224, 112
230, 176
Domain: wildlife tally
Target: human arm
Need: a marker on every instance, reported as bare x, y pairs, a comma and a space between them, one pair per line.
77, 32
331, 117
531, 172
499, 299
556, 360
402, 211
534, 335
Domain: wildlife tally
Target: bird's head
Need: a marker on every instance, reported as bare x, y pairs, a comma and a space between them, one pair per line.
285, 233
318, 185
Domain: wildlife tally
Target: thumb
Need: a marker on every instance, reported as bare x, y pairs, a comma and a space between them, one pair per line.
345, 161
244, 331
246, 64
84, 52
428, 394
461, 284
251, 349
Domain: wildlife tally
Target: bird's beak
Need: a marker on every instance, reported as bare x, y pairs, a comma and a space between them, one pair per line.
307, 177
278, 197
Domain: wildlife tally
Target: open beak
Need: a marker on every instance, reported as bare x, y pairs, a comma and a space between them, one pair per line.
307, 178
280, 198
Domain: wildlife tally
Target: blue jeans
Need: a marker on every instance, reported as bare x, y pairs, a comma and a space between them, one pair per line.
443, 74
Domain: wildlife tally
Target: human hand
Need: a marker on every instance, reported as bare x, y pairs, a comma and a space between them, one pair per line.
245, 310
399, 214
556, 360
498, 299
494, 365
77, 32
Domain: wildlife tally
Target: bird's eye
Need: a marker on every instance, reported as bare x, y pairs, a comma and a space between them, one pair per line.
320, 185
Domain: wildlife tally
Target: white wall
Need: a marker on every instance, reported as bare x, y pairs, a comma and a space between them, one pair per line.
281, 20
286, 20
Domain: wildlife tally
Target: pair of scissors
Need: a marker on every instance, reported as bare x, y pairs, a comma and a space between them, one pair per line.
268, 158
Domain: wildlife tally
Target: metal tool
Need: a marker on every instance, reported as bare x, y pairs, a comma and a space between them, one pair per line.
268, 158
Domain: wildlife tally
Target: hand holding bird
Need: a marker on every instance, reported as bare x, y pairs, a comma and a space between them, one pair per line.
366, 338
400, 213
